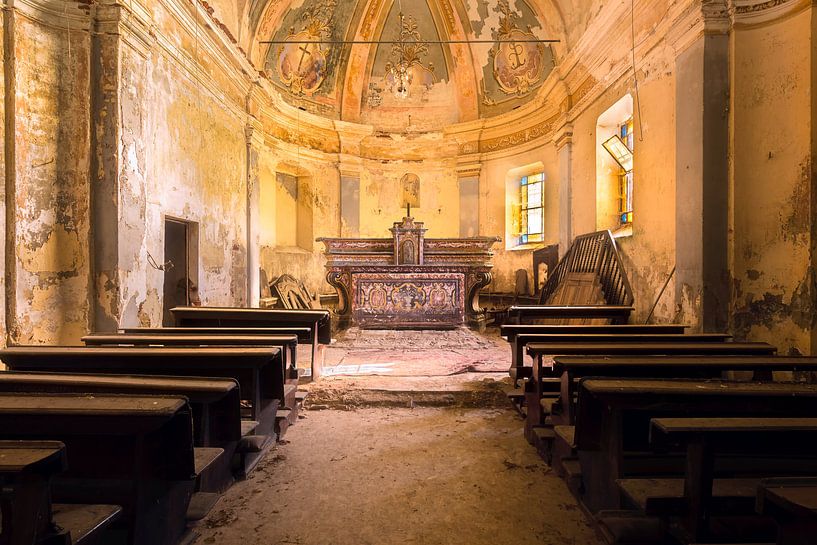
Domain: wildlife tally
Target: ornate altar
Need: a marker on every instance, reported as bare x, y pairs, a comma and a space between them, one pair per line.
409, 281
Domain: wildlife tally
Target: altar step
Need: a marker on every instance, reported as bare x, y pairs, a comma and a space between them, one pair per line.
471, 390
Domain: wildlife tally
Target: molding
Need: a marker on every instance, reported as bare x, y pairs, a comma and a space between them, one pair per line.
254, 133
60, 14
468, 169
563, 136
754, 13
700, 18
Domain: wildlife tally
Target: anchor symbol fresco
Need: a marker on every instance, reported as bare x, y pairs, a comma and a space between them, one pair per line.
516, 55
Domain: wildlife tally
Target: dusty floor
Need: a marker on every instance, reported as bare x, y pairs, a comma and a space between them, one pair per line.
415, 353
384, 476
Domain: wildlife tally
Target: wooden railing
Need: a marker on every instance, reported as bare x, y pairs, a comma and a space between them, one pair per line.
597, 253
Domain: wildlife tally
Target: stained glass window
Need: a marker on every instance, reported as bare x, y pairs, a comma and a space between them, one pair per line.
620, 147
626, 178
530, 219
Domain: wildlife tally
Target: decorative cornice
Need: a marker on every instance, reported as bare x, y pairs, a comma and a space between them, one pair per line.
751, 13
62, 14
519, 137
697, 19
468, 170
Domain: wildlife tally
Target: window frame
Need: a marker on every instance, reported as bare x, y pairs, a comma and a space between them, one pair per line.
526, 236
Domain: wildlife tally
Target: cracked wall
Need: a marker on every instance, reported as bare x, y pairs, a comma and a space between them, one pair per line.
183, 155
50, 132
773, 235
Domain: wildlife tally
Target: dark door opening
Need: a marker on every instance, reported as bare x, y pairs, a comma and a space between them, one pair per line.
177, 283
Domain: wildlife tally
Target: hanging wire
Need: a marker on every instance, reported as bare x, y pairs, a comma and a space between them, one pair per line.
635, 74
432, 42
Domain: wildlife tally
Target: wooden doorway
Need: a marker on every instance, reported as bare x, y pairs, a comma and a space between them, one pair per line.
180, 282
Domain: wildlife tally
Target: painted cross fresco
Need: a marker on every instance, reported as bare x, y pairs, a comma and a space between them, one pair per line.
302, 66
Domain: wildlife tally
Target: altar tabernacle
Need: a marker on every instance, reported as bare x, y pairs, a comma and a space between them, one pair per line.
409, 281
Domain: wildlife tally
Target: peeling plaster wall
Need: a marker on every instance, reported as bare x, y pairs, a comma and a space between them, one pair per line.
3, 82
649, 254
184, 156
773, 278
51, 154
323, 191
381, 194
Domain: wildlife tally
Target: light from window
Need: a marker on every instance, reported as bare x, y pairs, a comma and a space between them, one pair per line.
620, 147
626, 179
531, 212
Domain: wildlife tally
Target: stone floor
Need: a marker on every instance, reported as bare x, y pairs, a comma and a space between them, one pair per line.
382, 476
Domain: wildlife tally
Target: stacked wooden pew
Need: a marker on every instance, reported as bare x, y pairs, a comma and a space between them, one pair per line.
657, 445
144, 429
588, 286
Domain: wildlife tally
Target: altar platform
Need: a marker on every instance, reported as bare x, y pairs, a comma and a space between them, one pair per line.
408, 281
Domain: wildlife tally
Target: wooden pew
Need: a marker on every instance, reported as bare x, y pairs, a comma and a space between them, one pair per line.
570, 369
792, 503
292, 399
259, 371
318, 321
509, 330
518, 371
763, 447
132, 451
612, 423
535, 388
287, 343
617, 314
28, 516
521, 341
215, 404
304, 333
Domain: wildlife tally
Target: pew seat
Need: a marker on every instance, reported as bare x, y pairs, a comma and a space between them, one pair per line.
612, 423
133, 451
287, 343
761, 447
318, 321
215, 405
258, 370
792, 503
26, 471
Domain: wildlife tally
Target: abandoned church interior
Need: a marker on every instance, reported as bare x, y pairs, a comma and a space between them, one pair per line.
434, 272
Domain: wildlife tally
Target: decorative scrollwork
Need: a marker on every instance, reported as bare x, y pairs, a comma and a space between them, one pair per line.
340, 281
476, 281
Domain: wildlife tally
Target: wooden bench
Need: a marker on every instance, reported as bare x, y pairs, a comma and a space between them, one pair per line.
612, 423
215, 405
318, 321
304, 333
29, 517
287, 343
133, 451
616, 314
292, 399
570, 369
542, 376
522, 340
784, 446
259, 371
792, 503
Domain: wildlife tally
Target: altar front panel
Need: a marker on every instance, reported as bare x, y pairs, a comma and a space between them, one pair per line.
408, 300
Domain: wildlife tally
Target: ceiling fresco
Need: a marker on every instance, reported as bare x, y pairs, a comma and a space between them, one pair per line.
502, 73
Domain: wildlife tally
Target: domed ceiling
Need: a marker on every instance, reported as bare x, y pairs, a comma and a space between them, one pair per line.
416, 81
